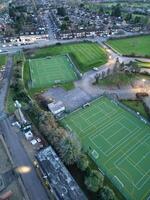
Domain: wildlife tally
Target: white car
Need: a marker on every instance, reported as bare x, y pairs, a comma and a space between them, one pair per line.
95, 68
16, 124
33, 142
28, 135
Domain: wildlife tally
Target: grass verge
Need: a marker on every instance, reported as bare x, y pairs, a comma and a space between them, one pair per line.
137, 106
2, 60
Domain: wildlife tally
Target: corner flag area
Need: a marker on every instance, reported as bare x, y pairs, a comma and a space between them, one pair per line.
48, 71
118, 142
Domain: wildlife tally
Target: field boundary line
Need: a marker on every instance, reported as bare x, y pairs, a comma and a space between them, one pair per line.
130, 149
115, 133
148, 178
124, 139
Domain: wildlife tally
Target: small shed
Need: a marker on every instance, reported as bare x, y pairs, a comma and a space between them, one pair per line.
56, 107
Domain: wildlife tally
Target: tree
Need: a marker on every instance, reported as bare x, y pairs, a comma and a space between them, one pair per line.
128, 17
94, 181
106, 193
35, 112
81, 5
61, 11
66, 18
122, 65
137, 19
97, 76
134, 67
101, 10
116, 11
108, 71
64, 26
83, 162
103, 74
69, 149
116, 66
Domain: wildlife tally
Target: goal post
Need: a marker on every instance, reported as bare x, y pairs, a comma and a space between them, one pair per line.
95, 154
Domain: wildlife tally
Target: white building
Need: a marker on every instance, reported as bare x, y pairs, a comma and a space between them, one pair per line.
56, 107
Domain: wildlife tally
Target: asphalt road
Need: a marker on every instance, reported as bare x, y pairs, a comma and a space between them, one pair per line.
31, 182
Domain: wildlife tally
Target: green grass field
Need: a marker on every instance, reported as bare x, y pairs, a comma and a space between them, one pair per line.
118, 142
120, 79
51, 70
84, 55
2, 60
138, 46
143, 64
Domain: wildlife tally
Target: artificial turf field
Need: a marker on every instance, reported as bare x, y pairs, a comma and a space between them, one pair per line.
85, 55
51, 70
118, 142
139, 46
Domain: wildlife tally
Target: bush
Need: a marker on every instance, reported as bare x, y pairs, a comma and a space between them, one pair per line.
83, 162
140, 95
106, 193
94, 181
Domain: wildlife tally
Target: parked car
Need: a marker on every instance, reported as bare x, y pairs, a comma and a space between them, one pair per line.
28, 135
95, 68
16, 124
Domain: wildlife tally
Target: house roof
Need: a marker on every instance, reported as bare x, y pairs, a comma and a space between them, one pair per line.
56, 107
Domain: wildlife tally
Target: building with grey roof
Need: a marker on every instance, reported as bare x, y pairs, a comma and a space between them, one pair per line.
60, 180
56, 107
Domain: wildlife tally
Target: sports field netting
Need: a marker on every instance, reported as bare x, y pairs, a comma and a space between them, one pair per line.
51, 70
118, 142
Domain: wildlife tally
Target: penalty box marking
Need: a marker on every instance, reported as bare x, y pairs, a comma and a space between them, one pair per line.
130, 151
117, 162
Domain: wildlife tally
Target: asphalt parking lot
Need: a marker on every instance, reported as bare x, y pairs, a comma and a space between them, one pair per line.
72, 99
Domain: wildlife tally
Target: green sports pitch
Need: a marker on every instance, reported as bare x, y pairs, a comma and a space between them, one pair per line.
118, 142
85, 55
134, 46
51, 70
